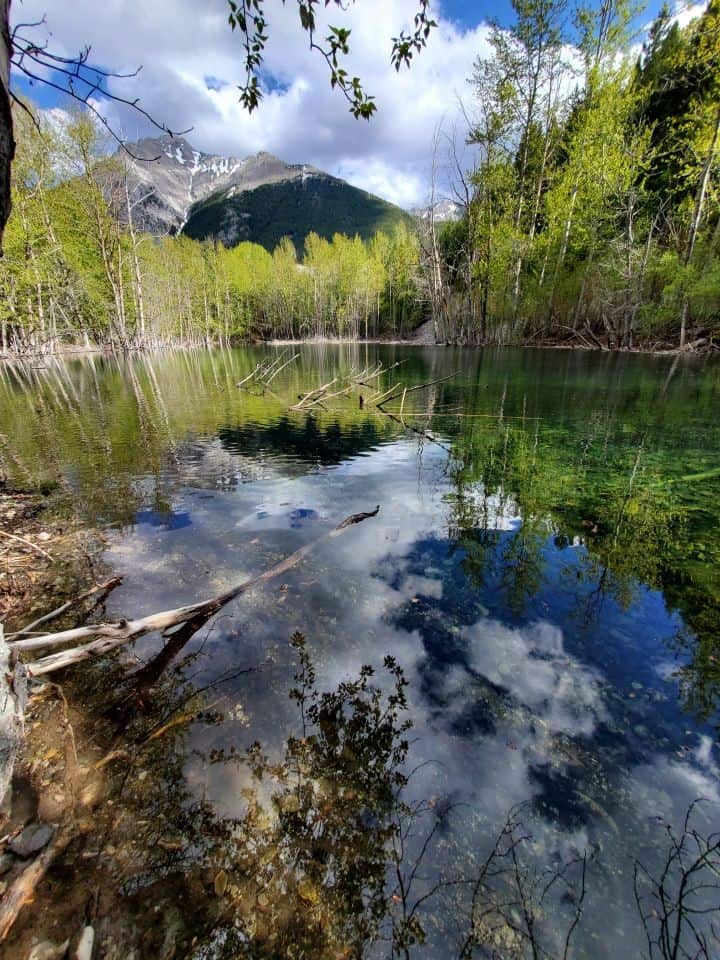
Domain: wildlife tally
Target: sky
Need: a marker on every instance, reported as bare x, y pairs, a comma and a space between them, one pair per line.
192, 65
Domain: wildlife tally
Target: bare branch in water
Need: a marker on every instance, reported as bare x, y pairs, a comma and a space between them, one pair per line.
677, 907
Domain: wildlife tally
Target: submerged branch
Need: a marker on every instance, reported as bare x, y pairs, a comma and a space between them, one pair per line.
99, 588
28, 543
111, 635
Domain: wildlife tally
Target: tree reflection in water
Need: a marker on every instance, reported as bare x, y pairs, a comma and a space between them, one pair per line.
333, 855
330, 858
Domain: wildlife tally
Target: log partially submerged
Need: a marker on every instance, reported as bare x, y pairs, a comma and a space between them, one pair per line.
112, 635
13, 695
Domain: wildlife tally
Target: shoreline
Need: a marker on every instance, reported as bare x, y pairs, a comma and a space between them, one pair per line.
69, 352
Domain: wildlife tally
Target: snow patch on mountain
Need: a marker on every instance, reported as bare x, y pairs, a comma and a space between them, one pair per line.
169, 177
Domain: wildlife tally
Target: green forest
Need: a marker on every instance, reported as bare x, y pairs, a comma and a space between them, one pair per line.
591, 217
75, 268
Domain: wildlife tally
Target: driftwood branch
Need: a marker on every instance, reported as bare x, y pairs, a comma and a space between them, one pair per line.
99, 588
420, 386
268, 379
13, 693
28, 543
112, 635
266, 371
353, 380
364, 377
314, 395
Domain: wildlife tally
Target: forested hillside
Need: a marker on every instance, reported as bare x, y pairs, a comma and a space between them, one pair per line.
594, 199
76, 267
294, 209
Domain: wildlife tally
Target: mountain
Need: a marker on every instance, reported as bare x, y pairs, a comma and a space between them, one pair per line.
295, 207
445, 210
177, 189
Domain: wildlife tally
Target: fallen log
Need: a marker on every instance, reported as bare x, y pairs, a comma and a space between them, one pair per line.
112, 635
13, 694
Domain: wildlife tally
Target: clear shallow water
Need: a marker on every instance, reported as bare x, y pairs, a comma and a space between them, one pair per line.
544, 572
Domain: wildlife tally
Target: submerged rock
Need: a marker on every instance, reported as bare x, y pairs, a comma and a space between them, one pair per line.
33, 838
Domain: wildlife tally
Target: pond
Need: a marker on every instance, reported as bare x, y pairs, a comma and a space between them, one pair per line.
543, 574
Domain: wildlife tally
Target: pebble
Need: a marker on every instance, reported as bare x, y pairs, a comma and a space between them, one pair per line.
85, 946
6, 863
33, 838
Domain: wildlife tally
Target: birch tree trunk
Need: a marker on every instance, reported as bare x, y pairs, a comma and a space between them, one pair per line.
7, 141
697, 219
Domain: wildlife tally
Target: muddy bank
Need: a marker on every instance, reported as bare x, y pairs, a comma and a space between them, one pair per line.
83, 819
47, 557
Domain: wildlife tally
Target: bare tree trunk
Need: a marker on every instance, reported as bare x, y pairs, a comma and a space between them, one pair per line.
13, 689
563, 251
7, 141
134, 243
697, 219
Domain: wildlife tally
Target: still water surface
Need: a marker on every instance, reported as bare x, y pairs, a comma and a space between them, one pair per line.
543, 571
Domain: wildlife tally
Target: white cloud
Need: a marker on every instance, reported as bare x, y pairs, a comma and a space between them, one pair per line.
684, 12
192, 65
531, 662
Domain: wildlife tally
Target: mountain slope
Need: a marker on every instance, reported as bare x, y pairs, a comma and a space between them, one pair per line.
292, 208
444, 211
175, 188
170, 177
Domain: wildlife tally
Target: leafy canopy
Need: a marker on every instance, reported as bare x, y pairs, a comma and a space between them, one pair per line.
248, 17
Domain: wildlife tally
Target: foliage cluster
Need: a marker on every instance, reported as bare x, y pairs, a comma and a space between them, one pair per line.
593, 213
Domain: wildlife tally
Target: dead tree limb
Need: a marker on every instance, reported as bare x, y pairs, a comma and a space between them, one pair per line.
249, 376
112, 635
317, 393
418, 431
13, 693
99, 588
422, 386
318, 401
268, 379
679, 906
28, 543
365, 378
383, 396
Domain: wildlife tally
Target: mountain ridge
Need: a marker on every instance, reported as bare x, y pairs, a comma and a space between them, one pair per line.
176, 188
